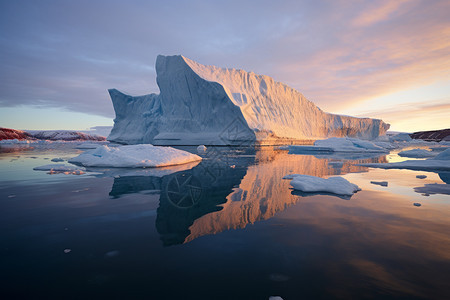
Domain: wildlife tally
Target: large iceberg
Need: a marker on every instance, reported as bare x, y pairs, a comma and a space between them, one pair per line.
208, 105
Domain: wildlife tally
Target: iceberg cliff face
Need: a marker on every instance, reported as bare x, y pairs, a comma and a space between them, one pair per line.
213, 106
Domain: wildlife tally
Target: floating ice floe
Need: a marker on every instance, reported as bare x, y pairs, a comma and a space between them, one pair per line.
382, 183
58, 159
61, 168
331, 145
441, 162
134, 156
311, 184
58, 168
435, 188
88, 145
417, 153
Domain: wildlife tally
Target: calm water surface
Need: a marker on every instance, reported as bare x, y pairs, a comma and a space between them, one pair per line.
227, 228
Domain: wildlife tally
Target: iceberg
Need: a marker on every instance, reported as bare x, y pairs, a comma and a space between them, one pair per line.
312, 184
208, 105
134, 156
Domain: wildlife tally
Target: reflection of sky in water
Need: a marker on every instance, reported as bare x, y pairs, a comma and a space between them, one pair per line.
230, 219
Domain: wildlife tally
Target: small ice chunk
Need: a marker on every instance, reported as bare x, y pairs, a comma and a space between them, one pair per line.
134, 156
421, 176
416, 153
201, 148
382, 183
275, 298
417, 204
58, 159
67, 250
335, 185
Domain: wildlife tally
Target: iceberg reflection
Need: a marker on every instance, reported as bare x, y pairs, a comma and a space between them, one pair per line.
228, 190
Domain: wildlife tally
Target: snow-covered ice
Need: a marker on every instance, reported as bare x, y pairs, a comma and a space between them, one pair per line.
208, 105
134, 156
334, 144
416, 153
66, 135
335, 185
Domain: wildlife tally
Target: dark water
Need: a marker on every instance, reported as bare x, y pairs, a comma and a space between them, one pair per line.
227, 228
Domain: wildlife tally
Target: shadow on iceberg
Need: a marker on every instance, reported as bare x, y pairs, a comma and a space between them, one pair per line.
445, 177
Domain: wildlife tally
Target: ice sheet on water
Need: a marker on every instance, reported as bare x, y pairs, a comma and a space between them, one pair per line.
416, 153
134, 156
335, 185
434, 188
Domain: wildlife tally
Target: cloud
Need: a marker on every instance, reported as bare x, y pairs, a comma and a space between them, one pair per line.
411, 117
337, 53
378, 11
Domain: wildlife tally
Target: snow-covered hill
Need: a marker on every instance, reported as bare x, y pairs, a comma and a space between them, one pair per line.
209, 105
53, 135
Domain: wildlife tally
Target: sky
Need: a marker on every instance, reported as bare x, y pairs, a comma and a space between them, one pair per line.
382, 59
